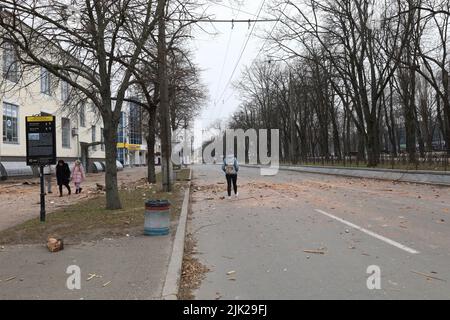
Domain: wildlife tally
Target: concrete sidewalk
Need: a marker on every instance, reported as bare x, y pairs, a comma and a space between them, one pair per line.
129, 268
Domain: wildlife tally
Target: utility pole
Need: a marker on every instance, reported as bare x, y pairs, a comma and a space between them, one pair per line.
166, 134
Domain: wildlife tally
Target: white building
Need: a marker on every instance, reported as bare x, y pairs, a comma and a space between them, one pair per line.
37, 92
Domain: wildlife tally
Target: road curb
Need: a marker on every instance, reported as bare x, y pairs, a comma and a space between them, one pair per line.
419, 177
173, 276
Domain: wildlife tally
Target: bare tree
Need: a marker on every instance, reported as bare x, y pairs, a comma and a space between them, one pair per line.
89, 45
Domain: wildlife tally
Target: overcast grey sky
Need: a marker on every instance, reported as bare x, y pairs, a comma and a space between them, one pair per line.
218, 63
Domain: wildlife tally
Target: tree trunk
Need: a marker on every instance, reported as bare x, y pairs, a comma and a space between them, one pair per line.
446, 128
112, 192
372, 160
390, 124
446, 109
151, 142
292, 120
407, 92
336, 137
166, 135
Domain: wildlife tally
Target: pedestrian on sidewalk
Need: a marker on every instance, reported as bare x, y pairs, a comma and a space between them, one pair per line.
63, 177
48, 173
78, 176
231, 168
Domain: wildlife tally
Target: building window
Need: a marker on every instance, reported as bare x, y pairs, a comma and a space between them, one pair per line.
10, 62
45, 82
83, 116
121, 130
94, 137
135, 124
102, 139
65, 125
64, 91
10, 123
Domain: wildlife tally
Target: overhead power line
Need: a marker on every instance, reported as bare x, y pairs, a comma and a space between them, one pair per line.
270, 34
223, 65
242, 53
224, 20
265, 42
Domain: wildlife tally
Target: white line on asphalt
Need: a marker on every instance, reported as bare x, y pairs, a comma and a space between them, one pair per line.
370, 233
354, 226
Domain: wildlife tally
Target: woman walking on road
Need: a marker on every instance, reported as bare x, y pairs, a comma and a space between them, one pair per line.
63, 177
78, 176
231, 168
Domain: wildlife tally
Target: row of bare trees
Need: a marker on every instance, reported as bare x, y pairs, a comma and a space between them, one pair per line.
108, 51
362, 77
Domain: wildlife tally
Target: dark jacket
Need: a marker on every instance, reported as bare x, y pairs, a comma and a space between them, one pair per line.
63, 174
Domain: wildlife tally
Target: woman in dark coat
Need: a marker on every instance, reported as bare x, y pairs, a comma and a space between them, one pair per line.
63, 177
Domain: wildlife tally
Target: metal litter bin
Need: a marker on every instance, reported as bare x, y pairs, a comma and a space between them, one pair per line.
157, 218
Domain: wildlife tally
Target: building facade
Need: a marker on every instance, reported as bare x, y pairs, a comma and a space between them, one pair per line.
37, 92
132, 150
79, 129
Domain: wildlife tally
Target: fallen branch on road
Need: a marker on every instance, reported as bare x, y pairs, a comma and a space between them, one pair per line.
203, 227
246, 199
314, 251
427, 276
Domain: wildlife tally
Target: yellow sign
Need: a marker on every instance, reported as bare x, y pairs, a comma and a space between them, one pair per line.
41, 119
130, 147
134, 147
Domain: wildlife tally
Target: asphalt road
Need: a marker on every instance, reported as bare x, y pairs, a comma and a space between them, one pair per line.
255, 245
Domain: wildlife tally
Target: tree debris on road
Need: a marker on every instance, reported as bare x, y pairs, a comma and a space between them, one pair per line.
10, 279
314, 251
429, 277
92, 276
55, 245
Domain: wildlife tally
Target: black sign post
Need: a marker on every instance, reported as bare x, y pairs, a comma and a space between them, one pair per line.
41, 174
41, 148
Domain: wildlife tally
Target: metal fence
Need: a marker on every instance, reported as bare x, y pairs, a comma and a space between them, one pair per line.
431, 161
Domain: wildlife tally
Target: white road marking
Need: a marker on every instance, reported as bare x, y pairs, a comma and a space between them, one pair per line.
370, 233
354, 226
